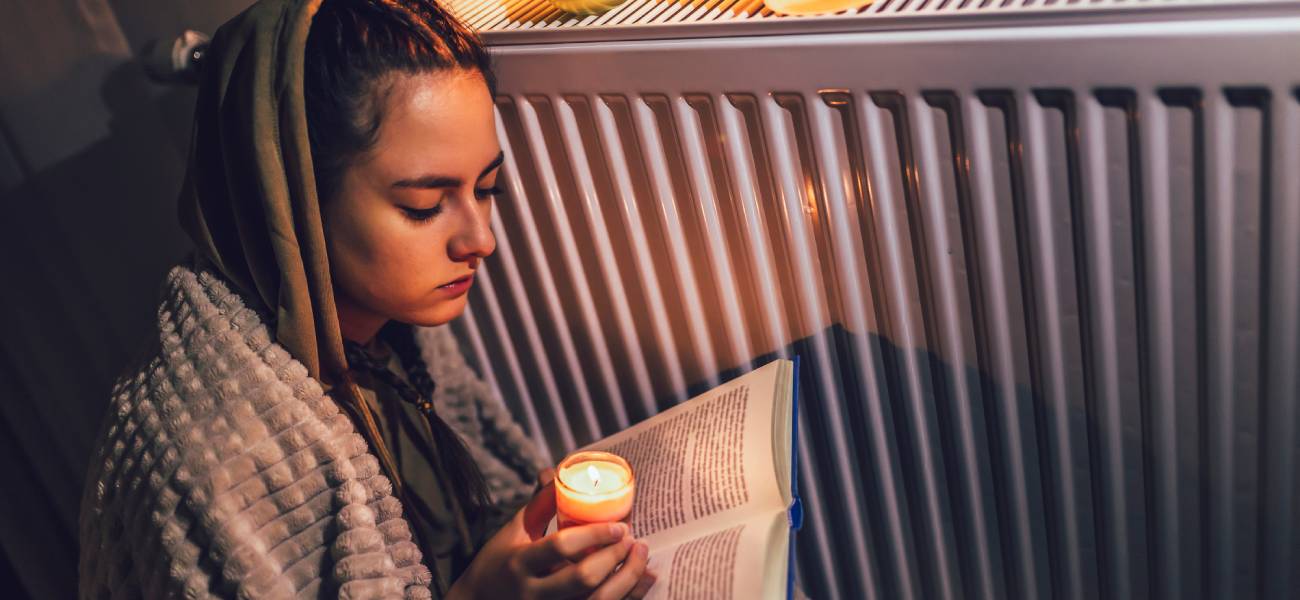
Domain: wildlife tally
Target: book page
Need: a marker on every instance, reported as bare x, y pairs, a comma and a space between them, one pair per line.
747, 560
705, 463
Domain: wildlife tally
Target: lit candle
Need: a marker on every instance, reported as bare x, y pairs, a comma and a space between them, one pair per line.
593, 487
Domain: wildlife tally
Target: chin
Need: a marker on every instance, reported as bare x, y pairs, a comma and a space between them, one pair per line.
439, 314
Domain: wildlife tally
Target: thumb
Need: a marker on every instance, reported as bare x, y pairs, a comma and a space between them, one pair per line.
544, 477
542, 507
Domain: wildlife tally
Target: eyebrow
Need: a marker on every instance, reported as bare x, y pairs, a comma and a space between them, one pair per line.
440, 181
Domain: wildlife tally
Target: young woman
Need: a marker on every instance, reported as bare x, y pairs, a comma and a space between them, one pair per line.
296, 431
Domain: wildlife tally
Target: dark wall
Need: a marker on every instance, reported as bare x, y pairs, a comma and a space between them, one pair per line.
91, 158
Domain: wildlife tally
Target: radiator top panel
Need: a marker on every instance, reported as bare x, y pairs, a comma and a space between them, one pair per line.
494, 17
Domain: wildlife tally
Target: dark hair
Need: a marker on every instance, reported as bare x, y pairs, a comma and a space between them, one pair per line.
353, 45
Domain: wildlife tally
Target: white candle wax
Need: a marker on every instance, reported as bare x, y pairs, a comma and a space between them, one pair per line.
608, 477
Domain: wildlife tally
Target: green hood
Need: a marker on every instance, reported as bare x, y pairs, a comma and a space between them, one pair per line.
249, 198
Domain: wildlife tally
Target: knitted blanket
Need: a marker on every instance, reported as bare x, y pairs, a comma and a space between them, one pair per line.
224, 470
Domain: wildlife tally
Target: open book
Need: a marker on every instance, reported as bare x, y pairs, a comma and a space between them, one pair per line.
716, 498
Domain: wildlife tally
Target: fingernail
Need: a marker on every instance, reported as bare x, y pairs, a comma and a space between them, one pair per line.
617, 529
642, 550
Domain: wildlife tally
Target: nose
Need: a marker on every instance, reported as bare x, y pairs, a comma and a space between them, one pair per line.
473, 239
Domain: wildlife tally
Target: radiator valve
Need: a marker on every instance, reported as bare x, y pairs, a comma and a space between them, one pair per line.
176, 60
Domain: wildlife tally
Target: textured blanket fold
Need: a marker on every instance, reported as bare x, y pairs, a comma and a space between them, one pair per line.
225, 470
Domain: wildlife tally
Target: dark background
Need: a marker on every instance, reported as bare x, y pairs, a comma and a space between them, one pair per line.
92, 154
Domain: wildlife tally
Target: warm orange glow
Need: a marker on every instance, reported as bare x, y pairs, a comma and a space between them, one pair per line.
593, 487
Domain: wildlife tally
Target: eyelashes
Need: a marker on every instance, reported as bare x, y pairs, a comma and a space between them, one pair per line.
424, 214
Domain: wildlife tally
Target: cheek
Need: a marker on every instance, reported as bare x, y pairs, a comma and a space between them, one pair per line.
390, 263
411, 260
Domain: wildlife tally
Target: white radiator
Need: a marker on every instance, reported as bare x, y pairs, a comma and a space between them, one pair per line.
1041, 262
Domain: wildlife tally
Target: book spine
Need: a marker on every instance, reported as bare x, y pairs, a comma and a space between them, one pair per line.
795, 512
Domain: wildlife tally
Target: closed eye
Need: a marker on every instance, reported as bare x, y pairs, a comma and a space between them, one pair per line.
422, 214
485, 193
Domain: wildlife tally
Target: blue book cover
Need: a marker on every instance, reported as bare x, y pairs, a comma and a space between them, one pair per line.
796, 507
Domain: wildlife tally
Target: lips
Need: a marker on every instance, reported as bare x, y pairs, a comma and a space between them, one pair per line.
457, 287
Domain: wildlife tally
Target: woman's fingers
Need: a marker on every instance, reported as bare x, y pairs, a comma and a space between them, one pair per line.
628, 579
590, 573
643, 586
542, 507
569, 544
545, 477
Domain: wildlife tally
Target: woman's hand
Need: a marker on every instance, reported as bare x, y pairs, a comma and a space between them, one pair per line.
575, 562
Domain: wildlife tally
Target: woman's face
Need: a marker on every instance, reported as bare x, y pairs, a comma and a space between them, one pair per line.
411, 218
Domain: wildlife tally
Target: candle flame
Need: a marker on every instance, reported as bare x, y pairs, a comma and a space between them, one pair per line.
594, 475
